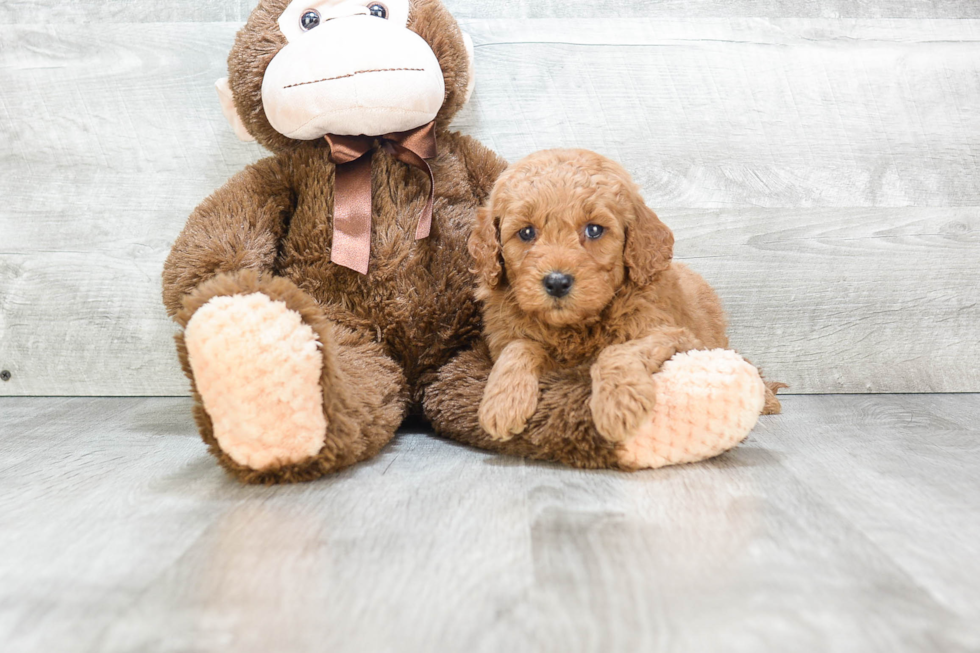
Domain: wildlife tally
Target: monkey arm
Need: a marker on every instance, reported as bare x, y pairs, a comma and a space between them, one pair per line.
237, 228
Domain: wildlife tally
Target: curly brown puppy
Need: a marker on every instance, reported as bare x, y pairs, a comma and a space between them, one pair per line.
574, 268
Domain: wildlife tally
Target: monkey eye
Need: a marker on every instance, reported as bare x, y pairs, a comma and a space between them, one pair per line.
309, 19
593, 231
526, 234
378, 9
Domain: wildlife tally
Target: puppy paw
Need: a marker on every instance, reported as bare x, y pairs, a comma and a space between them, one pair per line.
619, 407
507, 405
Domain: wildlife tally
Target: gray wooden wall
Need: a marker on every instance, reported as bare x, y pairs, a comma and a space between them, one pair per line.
818, 161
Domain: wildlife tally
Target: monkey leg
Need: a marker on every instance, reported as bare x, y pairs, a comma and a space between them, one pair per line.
706, 402
561, 428
281, 393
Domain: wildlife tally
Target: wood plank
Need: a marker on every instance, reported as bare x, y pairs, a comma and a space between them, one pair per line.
830, 194
713, 9
51, 12
821, 299
143, 11
856, 300
108, 155
720, 113
885, 463
845, 524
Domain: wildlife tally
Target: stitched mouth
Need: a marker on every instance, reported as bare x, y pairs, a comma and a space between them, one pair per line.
358, 72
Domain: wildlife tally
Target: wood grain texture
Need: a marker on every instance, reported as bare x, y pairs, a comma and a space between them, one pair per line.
722, 113
107, 155
856, 300
55, 12
715, 9
144, 11
845, 524
821, 173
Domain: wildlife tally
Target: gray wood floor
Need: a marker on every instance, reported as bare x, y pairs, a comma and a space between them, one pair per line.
850, 523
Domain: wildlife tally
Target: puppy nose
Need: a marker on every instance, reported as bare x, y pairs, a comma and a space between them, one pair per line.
557, 284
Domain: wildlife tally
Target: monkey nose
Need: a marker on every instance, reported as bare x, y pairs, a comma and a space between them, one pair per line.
557, 284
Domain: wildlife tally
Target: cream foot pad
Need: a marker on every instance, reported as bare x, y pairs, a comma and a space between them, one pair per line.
257, 368
707, 402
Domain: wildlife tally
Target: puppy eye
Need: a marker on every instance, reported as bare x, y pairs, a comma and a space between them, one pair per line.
378, 9
310, 19
526, 234
593, 231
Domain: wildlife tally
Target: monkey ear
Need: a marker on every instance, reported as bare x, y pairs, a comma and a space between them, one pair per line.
484, 247
228, 108
471, 71
649, 245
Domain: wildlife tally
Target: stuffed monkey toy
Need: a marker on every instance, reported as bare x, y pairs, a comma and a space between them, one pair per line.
320, 289
323, 291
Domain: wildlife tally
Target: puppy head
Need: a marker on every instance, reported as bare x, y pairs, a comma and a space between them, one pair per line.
562, 232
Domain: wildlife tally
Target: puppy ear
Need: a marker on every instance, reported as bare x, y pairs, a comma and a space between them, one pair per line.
484, 246
649, 245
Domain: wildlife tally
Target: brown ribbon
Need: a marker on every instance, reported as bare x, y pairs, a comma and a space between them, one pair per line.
351, 155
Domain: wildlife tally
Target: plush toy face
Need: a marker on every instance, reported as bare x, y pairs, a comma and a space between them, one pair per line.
325, 81
306, 68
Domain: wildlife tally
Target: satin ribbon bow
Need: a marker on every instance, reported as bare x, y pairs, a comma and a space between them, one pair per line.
351, 155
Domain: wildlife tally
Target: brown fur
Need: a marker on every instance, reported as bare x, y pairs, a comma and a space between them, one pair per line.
561, 429
367, 397
269, 228
629, 310
386, 336
625, 282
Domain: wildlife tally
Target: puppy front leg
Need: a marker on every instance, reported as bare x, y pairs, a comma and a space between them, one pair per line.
623, 389
511, 395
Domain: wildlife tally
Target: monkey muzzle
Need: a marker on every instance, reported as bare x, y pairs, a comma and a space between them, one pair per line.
350, 76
